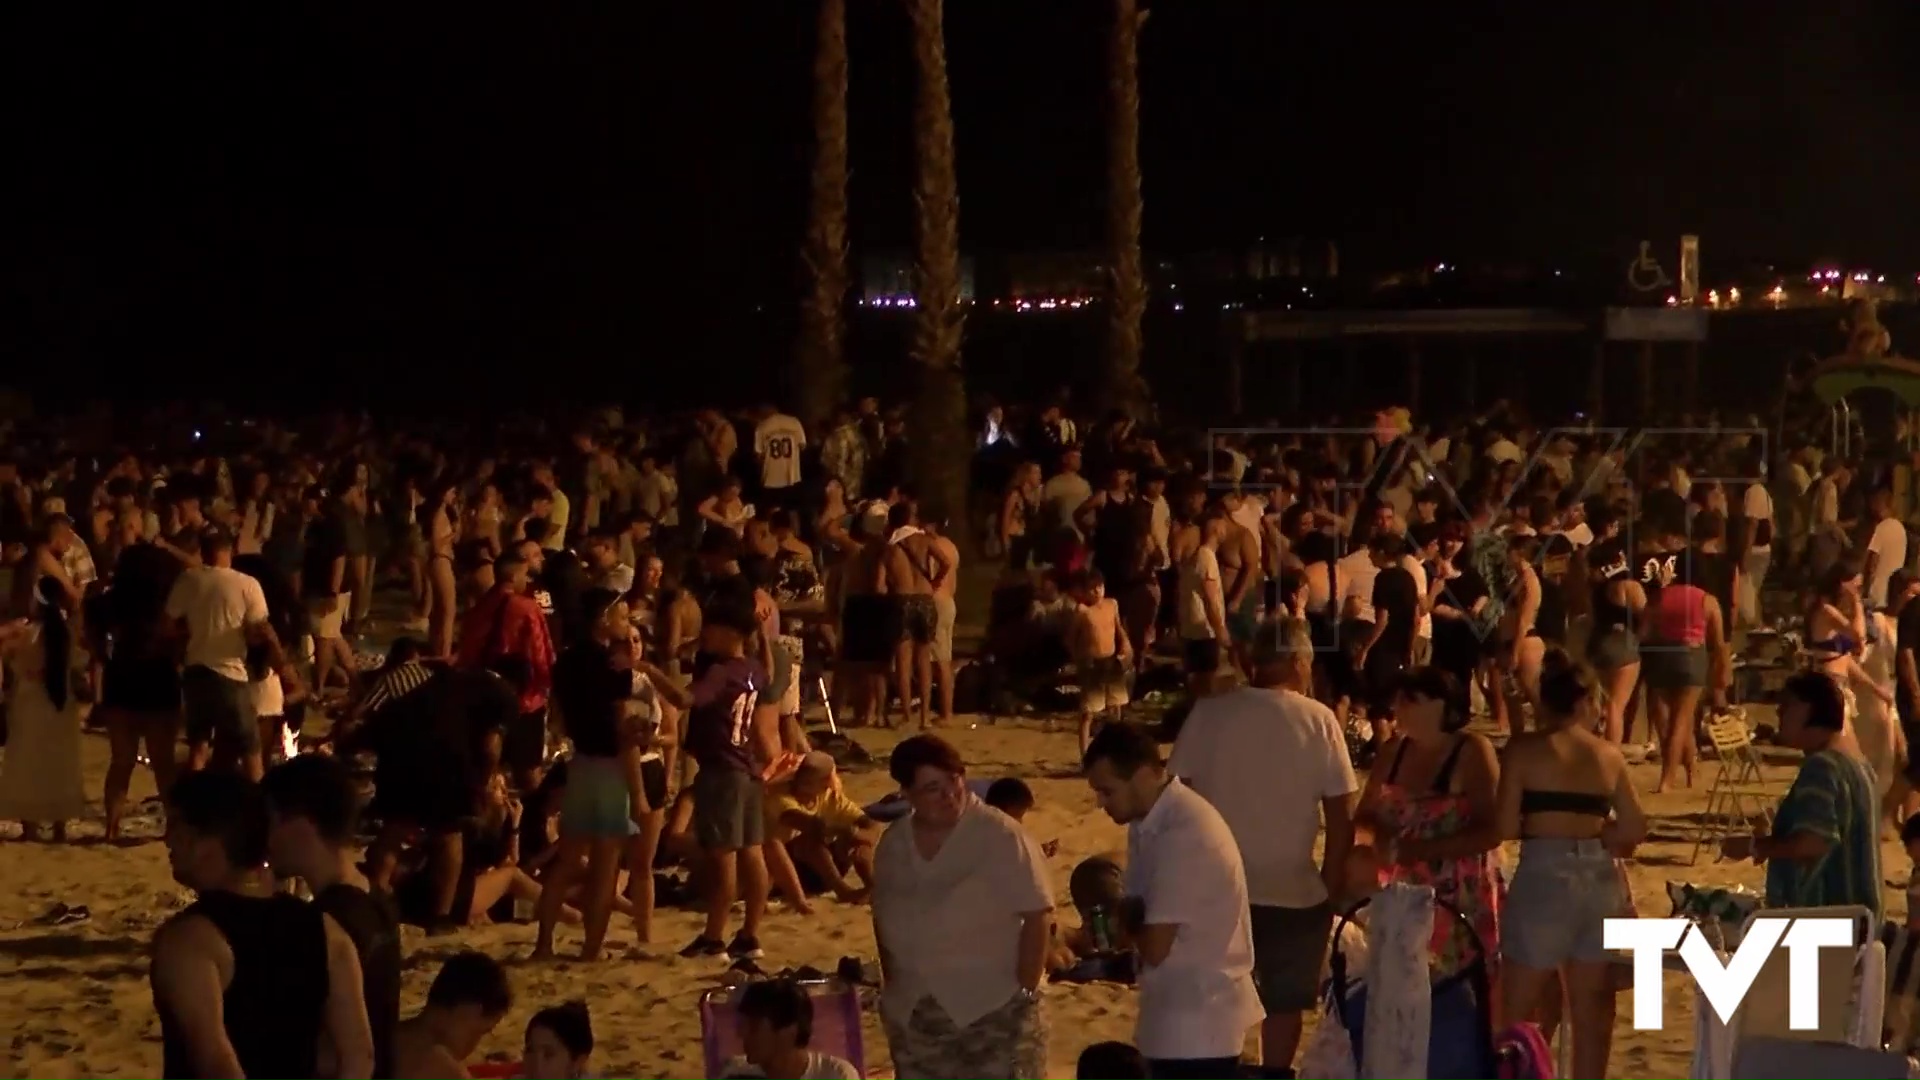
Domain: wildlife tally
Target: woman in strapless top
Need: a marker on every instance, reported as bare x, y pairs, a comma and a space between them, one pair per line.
1567, 797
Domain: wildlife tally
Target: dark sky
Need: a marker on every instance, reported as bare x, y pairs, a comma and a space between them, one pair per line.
246, 181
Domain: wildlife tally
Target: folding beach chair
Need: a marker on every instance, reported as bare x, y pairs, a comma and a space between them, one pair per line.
1738, 803
836, 1024
1772, 1058
1901, 1025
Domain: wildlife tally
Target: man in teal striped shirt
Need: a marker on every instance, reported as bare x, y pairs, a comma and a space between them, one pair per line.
1824, 848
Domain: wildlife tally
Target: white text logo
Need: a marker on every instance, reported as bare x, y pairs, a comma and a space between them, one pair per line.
1726, 985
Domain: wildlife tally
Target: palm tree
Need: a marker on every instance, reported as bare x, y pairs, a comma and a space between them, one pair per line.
822, 360
939, 450
1123, 388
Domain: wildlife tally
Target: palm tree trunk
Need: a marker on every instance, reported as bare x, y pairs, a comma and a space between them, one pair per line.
939, 450
822, 359
1123, 387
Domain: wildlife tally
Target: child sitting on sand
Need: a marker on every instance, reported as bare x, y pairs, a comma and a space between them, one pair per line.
1090, 951
776, 1026
1011, 796
1111, 1061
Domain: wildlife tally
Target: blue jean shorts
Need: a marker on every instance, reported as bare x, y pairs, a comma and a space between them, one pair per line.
1561, 894
596, 802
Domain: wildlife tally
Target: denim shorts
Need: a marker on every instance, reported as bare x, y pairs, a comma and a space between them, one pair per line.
1560, 896
596, 801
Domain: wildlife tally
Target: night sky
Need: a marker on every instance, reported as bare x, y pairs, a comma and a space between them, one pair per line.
248, 182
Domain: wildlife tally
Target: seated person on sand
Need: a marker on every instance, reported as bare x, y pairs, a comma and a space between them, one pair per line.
1027, 642
1102, 655
1011, 796
816, 835
491, 878
1096, 889
559, 1043
466, 1001
776, 1025
1111, 1061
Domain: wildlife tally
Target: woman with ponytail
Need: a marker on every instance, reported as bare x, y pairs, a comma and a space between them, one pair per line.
1566, 795
40, 775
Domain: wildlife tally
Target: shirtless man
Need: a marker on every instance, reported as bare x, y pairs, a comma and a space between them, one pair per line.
910, 572
1240, 573
466, 1002
946, 608
1101, 653
249, 982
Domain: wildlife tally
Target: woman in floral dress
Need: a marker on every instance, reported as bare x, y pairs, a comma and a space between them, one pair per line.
1431, 802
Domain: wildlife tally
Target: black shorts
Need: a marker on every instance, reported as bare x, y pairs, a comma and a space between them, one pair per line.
1289, 948
439, 796
218, 710
523, 747
914, 618
653, 781
865, 623
1202, 655
141, 685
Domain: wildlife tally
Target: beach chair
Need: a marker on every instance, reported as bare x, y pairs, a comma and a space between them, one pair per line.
1855, 985
1772, 1058
1901, 1025
836, 1024
1737, 804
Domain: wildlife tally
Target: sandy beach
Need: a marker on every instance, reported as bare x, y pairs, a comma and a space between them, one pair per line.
80, 1003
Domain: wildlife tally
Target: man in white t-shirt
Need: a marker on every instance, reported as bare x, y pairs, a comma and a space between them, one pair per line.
777, 442
1272, 761
1886, 548
1185, 912
224, 613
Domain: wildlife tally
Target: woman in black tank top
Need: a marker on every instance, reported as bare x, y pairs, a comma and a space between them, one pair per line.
1613, 645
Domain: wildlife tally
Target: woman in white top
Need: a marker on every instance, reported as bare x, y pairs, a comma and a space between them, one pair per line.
963, 912
40, 772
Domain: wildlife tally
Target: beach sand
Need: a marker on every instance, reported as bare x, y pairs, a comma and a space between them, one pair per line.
79, 1005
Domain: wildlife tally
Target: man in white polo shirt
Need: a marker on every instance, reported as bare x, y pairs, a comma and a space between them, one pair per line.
1185, 912
1273, 761
224, 613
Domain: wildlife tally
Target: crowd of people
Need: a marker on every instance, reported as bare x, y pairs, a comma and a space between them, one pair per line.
610, 637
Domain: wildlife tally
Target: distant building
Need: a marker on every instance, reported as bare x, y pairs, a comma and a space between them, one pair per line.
1056, 275
886, 280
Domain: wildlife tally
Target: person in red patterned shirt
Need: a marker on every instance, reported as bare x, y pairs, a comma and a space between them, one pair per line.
508, 622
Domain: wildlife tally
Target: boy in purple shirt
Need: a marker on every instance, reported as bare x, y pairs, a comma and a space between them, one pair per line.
733, 733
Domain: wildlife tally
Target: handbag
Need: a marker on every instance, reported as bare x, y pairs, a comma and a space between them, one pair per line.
1460, 1039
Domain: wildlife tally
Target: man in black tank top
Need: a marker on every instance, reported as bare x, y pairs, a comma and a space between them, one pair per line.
312, 808
248, 982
